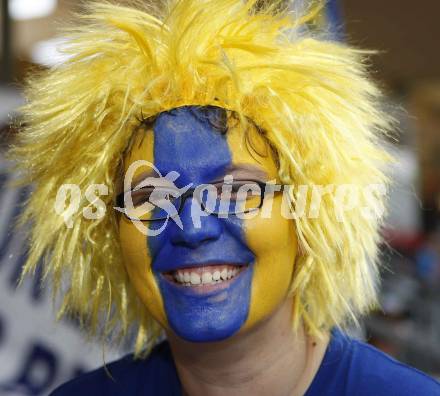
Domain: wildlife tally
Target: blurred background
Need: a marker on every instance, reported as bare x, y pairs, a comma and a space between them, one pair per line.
36, 354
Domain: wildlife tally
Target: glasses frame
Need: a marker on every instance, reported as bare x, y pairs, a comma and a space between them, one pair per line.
120, 202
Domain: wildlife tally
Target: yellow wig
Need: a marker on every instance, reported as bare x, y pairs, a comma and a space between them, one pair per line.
311, 98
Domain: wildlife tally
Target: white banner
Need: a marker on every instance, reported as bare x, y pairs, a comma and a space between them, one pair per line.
36, 354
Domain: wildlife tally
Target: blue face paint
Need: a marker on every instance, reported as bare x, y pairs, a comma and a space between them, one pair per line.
187, 140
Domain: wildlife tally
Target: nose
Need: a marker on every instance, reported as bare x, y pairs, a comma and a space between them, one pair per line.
191, 236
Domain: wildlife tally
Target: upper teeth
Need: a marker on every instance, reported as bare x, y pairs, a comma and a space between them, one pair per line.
189, 278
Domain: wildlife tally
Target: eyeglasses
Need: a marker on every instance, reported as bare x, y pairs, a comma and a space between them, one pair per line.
156, 203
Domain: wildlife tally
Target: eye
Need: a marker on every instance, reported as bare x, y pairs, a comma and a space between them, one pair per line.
244, 189
154, 195
141, 195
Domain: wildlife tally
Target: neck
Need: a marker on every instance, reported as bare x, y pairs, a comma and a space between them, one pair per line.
268, 359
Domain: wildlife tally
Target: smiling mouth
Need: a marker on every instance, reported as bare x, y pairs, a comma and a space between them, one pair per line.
203, 276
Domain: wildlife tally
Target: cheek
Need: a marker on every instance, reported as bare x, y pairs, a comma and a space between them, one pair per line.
273, 240
138, 265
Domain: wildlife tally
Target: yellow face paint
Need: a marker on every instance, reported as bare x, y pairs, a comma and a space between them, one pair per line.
273, 239
266, 245
133, 242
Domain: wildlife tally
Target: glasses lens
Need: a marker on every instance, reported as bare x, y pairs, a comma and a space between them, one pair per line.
237, 197
152, 203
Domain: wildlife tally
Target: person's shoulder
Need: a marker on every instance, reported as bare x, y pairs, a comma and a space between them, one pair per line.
374, 372
155, 374
105, 380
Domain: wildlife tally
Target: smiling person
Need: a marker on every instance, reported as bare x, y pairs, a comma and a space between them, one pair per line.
212, 123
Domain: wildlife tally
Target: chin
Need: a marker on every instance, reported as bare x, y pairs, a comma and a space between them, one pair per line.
208, 314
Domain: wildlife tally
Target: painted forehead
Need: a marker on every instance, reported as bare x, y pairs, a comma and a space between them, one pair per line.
203, 144
192, 141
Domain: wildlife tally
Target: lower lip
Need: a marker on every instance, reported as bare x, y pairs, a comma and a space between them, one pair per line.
207, 288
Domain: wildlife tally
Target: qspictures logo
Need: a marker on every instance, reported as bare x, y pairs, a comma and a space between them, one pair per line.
150, 199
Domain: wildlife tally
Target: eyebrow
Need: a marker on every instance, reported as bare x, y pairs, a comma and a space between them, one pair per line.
141, 177
246, 171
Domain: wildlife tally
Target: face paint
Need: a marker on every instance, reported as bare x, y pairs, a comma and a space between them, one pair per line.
260, 253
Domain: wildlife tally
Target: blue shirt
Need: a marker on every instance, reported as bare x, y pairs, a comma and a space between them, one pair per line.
349, 368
